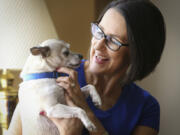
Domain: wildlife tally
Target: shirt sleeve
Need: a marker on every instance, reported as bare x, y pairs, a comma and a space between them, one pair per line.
150, 114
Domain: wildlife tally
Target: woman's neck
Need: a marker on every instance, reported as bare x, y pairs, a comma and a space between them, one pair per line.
106, 85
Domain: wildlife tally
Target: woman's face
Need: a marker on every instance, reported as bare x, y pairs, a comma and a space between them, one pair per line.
102, 59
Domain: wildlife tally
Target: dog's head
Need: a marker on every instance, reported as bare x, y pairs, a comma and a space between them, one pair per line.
56, 53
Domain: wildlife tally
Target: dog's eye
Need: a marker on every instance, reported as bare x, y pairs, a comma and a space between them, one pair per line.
66, 53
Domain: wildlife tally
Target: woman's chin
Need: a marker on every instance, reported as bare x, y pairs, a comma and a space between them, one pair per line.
96, 70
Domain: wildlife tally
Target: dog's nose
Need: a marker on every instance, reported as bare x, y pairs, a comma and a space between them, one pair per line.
80, 56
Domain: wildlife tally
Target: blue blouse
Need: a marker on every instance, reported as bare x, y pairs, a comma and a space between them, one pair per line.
134, 107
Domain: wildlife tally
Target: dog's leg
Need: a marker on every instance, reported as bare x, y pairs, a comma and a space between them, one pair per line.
63, 111
15, 127
91, 90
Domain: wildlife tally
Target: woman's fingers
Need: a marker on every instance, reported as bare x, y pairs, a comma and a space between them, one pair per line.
67, 87
68, 83
69, 100
65, 79
72, 73
71, 85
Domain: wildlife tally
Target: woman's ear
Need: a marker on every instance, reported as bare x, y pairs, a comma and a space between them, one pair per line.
43, 51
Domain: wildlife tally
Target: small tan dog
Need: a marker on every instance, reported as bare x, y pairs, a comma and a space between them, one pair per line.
37, 94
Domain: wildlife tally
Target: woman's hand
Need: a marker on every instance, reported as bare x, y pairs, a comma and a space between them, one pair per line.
75, 98
68, 126
71, 85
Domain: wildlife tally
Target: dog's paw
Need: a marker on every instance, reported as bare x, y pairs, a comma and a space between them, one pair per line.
49, 112
97, 101
91, 127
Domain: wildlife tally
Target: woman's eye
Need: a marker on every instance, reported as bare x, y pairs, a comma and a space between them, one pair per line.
115, 41
66, 53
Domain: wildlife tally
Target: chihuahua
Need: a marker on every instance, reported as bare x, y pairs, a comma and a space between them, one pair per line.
39, 91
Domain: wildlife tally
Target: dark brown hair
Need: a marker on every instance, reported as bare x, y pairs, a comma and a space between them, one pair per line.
146, 35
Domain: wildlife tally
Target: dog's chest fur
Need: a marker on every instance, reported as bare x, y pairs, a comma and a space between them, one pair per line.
32, 95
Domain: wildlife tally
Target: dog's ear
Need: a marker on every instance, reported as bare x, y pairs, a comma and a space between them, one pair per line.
43, 51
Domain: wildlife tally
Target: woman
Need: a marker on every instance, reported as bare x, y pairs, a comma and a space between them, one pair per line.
127, 43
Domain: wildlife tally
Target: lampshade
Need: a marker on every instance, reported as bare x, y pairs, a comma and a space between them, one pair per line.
23, 24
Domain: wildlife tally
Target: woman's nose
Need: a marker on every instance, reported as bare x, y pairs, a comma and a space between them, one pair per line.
100, 44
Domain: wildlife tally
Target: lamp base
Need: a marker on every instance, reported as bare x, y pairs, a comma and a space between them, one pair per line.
8, 99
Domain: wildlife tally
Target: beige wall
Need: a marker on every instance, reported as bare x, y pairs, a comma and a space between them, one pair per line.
164, 83
72, 21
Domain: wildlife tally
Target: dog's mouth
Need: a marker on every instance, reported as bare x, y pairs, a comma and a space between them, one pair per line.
74, 65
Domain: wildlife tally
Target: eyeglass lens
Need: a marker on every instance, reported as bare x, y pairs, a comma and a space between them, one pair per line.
111, 42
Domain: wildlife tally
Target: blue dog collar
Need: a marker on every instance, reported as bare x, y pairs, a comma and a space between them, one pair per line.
43, 75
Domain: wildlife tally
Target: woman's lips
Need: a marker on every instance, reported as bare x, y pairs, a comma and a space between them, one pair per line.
100, 59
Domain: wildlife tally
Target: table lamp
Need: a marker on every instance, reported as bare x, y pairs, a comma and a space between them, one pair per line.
23, 24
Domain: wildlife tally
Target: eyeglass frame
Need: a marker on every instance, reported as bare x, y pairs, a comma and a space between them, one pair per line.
107, 38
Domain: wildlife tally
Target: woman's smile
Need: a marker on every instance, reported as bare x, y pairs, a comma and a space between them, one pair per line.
100, 59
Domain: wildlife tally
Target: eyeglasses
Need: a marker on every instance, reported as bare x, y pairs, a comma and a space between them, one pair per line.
111, 42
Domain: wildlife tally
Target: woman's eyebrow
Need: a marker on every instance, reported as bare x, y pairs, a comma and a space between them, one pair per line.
118, 37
